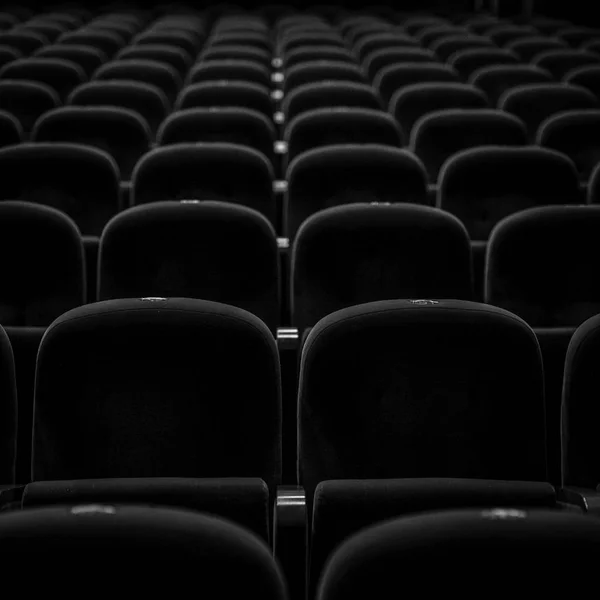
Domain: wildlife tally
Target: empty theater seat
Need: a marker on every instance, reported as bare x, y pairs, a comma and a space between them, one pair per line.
219, 124
533, 104
233, 70
394, 389
529, 47
439, 135
575, 134
483, 185
26, 42
173, 56
107, 41
314, 71
201, 377
360, 253
211, 171
378, 59
208, 250
498, 79
560, 62
332, 126
8, 411
79, 180
8, 54
120, 132
27, 100
412, 102
11, 131
177, 545
342, 508
466, 62
86, 57
446, 46
586, 77
236, 52
41, 264
243, 501
144, 98
305, 54
337, 175
442, 543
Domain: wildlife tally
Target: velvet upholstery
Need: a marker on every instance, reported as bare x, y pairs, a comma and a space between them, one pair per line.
240, 70
175, 57
534, 103
575, 134
150, 549
322, 70
157, 388
409, 388
8, 411
466, 62
81, 181
361, 253
61, 75
27, 100
344, 174
242, 126
330, 94
332, 126
541, 550
210, 171
439, 135
209, 250
393, 78
144, 98
242, 94
244, 501
86, 57
579, 436
412, 102
483, 185
342, 508
540, 265
498, 79
153, 72
120, 132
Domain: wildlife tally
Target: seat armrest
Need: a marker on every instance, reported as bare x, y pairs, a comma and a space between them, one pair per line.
587, 500
290, 537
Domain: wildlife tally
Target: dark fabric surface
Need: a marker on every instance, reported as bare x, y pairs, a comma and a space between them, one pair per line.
8, 411
359, 253
466, 62
580, 407
164, 388
177, 58
80, 181
26, 42
86, 57
586, 77
391, 79
445, 47
158, 74
408, 389
438, 136
329, 94
27, 100
120, 132
481, 186
388, 40
59, 74
345, 174
41, 264
211, 250
528, 47
108, 42
237, 52
322, 70
240, 70
498, 79
540, 265
534, 103
342, 508
242, 94
541, 552
331, 126
25, 343
219, 124
144, 98
576, 134
304, 54
503, 34
11, 131
151, 550
187, 41
560, 62
244, 501
412, 102
206, 171
295, 40
8, 54
376, 60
